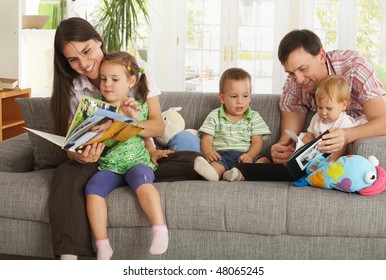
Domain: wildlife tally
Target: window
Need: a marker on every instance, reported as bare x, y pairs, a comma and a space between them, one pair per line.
224, 34
213, 35
369, 27
347, 24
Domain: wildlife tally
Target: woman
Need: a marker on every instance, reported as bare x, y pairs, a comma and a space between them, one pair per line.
78, 52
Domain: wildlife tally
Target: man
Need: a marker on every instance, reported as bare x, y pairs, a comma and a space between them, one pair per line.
302, 55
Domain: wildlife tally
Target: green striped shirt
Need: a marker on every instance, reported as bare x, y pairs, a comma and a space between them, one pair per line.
234, 136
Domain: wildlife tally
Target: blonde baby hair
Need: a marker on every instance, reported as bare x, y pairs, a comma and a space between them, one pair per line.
333, 87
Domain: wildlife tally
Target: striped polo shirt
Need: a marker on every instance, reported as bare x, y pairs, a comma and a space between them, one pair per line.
234, 136
361, 77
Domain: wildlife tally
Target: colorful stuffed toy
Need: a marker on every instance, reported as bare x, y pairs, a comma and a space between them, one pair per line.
176, 137
351, 173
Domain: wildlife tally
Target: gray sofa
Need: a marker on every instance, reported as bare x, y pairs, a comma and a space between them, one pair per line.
206, 220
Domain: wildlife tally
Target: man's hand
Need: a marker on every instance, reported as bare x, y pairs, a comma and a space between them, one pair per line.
281, 152
155, 155
333, 141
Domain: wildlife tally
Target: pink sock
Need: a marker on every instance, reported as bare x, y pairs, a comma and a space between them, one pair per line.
104, 250
160, 240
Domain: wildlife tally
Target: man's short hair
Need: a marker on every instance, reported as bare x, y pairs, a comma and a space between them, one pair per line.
298, 38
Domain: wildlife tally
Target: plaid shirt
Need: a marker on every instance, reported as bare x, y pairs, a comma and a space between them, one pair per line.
361, 77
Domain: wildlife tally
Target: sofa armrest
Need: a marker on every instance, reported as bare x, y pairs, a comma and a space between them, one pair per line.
16, 154
372, 146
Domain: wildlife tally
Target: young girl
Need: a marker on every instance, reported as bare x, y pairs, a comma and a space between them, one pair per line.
120, 75
332, 98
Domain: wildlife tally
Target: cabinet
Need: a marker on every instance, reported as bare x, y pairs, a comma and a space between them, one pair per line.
11, 119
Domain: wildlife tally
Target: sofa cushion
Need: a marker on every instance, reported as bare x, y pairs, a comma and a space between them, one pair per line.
24, 196
16, 154
248, 207
36, 113
320, 212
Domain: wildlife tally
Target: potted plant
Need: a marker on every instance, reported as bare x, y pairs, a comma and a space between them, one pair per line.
118, 21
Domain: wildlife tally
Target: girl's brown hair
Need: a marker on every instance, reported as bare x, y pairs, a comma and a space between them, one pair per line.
130, 64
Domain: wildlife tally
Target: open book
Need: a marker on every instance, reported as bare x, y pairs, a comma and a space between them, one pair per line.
94, 121
304, 153
294, 169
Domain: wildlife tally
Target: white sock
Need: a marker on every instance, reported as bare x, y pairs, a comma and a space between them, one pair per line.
104, 250
160, 240
68, 257
203, 167
233, 175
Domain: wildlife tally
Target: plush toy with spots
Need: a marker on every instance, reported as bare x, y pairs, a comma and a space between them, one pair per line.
351, 173
176, 137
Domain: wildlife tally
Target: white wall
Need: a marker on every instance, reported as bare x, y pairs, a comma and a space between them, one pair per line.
10, 26
163, 52
37, 55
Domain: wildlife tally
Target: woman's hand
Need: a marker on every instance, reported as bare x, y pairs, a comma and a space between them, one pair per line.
129, 107
90, 154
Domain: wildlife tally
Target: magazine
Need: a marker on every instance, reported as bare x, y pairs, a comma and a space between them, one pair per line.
294, 169
94, 121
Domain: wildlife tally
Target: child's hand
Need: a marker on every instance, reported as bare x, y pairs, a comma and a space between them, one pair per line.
129, 107
155, 155
212, 156
245, 158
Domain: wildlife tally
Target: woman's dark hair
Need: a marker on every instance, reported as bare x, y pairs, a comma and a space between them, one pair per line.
130, 64
69, 30
298, 38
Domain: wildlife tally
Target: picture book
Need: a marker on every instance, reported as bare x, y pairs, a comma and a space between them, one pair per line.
294, 169
94, 121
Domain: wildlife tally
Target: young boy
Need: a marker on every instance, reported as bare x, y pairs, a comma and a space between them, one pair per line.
232, 133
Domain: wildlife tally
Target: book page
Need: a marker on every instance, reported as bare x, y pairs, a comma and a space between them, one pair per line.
306, 153
298, 141
87, 108
94, 121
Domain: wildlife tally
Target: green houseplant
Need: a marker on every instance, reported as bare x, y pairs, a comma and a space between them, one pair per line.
118, 21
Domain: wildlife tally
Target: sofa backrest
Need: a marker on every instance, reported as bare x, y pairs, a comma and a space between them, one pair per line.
197, 105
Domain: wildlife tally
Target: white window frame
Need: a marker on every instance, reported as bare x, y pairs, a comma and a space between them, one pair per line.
167, 36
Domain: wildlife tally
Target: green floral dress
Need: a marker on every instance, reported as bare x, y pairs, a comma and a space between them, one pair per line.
120, 158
